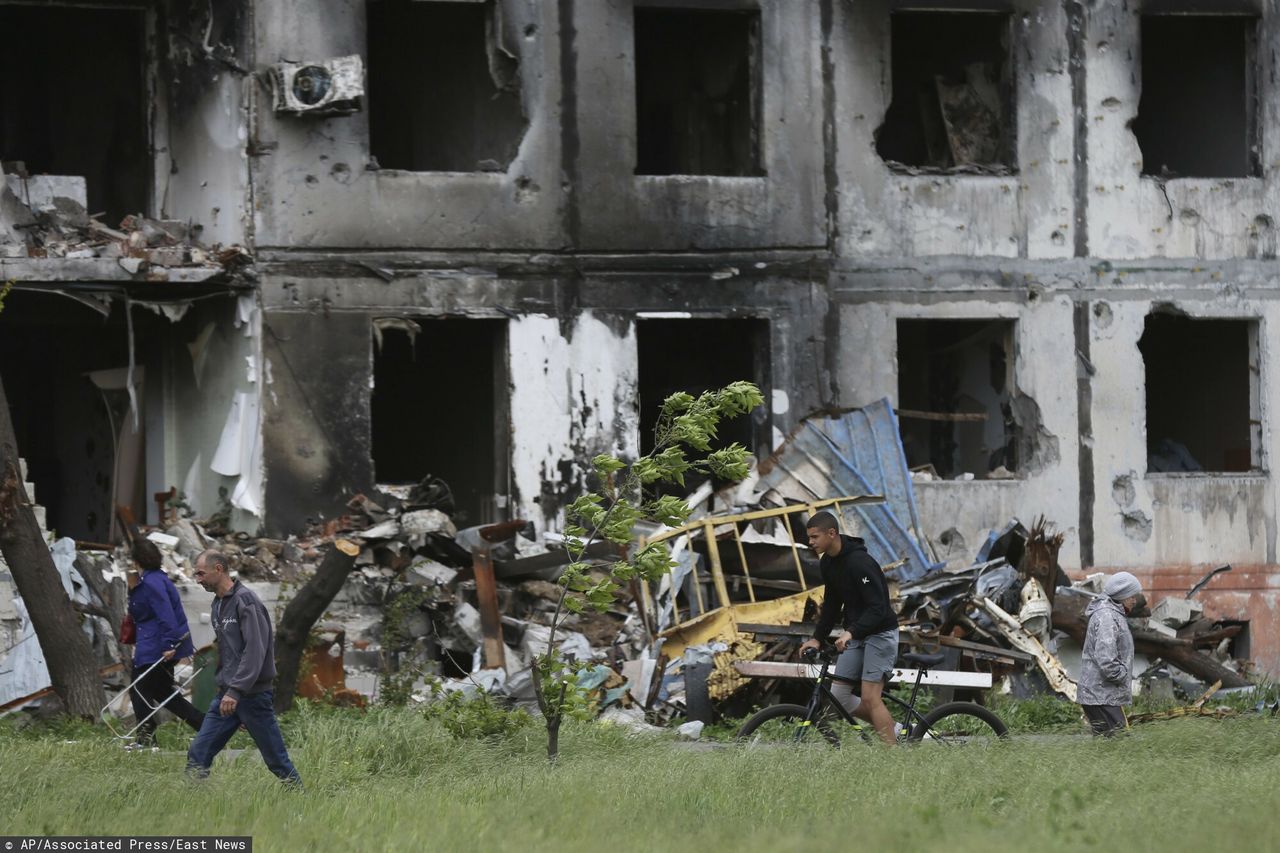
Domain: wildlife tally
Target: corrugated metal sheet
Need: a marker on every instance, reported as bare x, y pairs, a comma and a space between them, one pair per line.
857, 453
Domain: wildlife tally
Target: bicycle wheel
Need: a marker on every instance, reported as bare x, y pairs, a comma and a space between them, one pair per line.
960, 723
785, 724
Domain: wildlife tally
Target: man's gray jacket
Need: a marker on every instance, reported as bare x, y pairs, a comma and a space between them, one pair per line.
1106, 665
246, 644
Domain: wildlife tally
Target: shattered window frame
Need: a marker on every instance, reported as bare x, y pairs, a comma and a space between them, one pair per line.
1006, 162
1008, 395
1255, 414
756, 165
397, 141
1253, 87
153, 117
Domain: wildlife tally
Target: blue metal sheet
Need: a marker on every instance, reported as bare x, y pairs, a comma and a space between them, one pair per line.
857, 453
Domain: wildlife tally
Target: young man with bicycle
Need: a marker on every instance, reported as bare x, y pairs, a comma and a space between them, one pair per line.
857, 595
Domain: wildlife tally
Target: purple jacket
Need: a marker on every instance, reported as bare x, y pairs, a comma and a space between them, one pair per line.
157, 611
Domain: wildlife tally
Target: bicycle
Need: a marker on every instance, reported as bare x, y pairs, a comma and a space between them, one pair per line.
951, 723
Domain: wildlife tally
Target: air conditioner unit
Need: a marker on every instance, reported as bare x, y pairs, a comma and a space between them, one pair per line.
331, 87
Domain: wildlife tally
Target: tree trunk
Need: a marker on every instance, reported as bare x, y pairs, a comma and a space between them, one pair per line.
300, 615
1068, 615
67, 651
552, 715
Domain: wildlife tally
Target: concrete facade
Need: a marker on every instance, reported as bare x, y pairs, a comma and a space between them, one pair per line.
831, 246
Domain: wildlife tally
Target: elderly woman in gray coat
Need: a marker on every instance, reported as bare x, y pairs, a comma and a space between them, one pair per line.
1106, 666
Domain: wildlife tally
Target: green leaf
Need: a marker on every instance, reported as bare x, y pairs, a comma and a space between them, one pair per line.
600, 595
573, 575
588, 509
622, 521
738, 398
646, 470
677, 403
729, 463
671, 465
622, 570
574, 604
606, 464
653, 561
669, 510
695, 428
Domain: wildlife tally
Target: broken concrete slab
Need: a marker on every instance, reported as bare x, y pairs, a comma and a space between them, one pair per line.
1151, 624
40, 191
1177, 612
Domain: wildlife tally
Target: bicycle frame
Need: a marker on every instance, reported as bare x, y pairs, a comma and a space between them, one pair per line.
822, 691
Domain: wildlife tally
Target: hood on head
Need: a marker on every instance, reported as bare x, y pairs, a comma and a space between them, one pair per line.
1100, 602
854, 542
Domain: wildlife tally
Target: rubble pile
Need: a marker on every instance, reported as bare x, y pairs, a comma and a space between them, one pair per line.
427, 608
45, 216
410, 610
1016, 597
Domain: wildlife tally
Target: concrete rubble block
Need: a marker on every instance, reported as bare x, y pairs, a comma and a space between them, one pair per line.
691, 730
520, 685
164, 540
1152, 625
423, 521
418, 624
39, 191
534, 641
570, 643
430, 573
630, 718
467, 618
385, 530
131, 265
168, 256
7, 592
1176, 612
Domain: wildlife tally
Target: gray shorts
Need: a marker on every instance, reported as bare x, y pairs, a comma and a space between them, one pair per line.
869, 659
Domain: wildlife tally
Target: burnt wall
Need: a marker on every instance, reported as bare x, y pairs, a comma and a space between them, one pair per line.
316, 433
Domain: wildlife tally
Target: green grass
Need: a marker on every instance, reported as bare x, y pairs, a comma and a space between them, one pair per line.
397, 780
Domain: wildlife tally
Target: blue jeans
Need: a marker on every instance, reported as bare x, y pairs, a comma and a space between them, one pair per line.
258, 715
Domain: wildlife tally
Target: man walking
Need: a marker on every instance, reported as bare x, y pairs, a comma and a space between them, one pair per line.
1106, 662
246, 669
858, 596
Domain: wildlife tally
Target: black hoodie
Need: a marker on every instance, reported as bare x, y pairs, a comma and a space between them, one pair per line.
856, 586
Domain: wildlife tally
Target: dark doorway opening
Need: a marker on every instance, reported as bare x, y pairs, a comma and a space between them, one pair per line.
1202, 394
444, 95
953, 92
74, 100
64, 369
1198, 113
955, 392
697, 92
439, 408
700, 355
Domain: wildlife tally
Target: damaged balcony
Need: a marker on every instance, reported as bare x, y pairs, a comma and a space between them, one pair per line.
83, 170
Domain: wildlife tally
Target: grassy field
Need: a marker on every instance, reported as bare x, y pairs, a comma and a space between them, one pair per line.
397, 780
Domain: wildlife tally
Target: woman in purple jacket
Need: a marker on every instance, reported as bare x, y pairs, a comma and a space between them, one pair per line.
163, 636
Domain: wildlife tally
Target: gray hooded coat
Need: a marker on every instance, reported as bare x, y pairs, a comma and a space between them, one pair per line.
1106, 665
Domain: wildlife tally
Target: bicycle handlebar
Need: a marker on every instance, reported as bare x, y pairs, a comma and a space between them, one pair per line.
826, 653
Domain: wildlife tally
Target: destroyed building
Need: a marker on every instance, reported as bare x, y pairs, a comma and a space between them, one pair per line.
267, 256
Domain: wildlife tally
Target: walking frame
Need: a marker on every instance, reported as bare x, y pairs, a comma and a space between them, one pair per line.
154, 706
